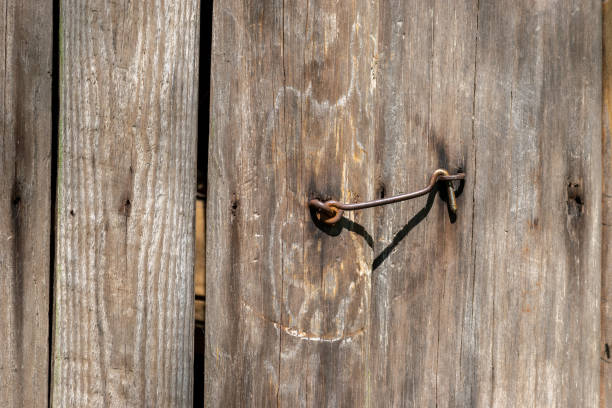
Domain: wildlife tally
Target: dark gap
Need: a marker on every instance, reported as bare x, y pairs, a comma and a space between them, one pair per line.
55, 111
607, 351
206, 19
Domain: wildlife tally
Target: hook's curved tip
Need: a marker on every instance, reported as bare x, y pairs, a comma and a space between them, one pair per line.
452, 200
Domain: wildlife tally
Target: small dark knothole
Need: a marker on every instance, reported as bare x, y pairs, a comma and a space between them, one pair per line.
607, 350
234, 205
16, 201
575, 203
382, 191
125, 208
72, 213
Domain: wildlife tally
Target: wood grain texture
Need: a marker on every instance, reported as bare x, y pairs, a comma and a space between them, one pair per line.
537, 205
289, 86
423, 268
606, 241
402, 305
123, 325
25, 206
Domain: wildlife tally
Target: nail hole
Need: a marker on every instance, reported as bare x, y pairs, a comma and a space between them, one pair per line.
234, 205
382, 191
126, 208
575, 202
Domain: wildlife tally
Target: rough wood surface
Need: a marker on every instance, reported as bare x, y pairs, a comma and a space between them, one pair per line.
25, 207
123, 314
402, 306
606, 267
534, 314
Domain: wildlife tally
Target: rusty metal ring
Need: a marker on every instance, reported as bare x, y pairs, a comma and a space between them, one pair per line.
329, 208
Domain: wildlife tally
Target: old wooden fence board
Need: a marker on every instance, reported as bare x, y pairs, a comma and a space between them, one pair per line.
123, 312
401, 306
25, 207
537, 205
606, 267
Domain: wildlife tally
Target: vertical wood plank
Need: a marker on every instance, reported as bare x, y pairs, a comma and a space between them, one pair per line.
123, 330
25, 208
606, 240
243, 248
329, 88
289, 85
537, 204
421, 275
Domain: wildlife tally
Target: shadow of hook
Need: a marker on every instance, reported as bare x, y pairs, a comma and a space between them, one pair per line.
344, 223
414, 221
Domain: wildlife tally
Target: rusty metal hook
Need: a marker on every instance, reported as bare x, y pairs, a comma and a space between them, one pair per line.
334, 209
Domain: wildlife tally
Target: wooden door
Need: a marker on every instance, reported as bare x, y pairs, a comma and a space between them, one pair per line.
402, 305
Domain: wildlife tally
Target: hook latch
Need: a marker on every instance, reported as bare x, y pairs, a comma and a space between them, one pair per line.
333, 210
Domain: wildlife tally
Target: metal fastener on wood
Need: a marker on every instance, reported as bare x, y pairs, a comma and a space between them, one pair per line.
333, 210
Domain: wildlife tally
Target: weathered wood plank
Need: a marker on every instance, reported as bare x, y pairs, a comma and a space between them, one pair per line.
25, 207
243, 303
537, 205
328, 91
123, 330
289, 81
422, 273
402, 306
606, 240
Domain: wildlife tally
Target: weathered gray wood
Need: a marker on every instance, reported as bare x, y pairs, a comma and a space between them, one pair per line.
606, 241
399, 306
535, 313
25, 206
423, 269
123, 324
291, 116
